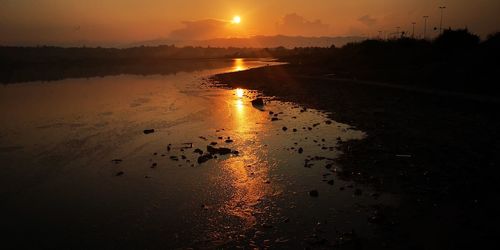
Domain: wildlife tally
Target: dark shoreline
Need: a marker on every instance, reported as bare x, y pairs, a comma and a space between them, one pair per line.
438, 152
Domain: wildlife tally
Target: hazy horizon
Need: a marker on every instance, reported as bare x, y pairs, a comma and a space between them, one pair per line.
118, 23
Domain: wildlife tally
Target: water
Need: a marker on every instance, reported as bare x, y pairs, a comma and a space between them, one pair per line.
61, 187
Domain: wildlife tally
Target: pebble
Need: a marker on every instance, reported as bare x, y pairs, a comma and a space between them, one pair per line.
148, 131
116, 161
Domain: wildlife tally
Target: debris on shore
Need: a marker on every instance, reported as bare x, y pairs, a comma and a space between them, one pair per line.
148, 131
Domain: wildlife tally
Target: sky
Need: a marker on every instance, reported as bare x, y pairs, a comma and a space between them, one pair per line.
112, 22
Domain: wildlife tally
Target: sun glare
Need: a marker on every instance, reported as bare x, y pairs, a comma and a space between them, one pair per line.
236, 20
240, 92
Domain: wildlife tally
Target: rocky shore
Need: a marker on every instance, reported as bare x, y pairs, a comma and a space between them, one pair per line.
438, 150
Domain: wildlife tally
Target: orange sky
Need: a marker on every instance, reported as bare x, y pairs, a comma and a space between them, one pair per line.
111, 22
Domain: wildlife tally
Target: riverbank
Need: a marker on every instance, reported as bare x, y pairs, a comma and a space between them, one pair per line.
438, 150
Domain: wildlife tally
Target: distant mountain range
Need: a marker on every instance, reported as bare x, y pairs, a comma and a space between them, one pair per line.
259, 42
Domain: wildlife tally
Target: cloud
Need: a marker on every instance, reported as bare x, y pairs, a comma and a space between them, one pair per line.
367, 20
201, 29
293, 24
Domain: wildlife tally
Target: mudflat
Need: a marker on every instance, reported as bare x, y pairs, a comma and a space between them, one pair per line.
438, 150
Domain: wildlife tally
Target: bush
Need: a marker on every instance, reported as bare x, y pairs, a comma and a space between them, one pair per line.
459, 39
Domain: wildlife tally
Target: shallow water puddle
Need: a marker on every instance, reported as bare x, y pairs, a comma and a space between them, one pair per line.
75, 159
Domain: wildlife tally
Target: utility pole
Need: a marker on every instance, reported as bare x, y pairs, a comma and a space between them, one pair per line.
441, 23
413, 32
425, 26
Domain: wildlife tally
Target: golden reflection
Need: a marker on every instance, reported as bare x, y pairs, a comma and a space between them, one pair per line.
239, 107
249, 171
239, 92
239, 64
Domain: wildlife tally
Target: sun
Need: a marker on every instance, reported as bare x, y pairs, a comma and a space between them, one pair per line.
236, 20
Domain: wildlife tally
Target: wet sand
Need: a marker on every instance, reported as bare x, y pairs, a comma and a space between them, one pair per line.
437, 152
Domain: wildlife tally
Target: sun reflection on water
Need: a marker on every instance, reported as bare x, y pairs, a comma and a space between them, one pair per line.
249, 171
239, 92
239, 64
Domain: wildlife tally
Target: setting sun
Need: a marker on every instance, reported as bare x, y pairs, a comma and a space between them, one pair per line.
236, 19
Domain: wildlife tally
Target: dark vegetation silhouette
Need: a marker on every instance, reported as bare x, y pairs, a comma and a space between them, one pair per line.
456, 60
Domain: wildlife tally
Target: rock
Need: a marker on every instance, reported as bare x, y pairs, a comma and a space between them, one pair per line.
221, 151
328, 122
183, 157
154, 165
301, 150
229, 141
168, 147
274, 119
174, 158
119, 173
116, 161
294, 130
198, 151
213, 143
258, 102
149, 131
271, 112
204, 158
314, 193
285, 128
